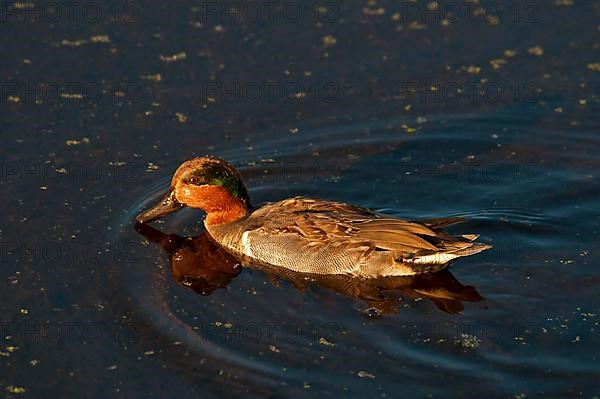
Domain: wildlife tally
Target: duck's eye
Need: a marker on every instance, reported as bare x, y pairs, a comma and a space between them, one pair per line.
197, 181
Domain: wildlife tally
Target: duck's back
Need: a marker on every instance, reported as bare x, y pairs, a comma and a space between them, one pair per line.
325, 237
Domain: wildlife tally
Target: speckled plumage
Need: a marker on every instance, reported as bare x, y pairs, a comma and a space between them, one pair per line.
324, 237
309, 235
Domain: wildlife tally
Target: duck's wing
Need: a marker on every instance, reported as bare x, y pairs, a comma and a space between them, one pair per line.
441, 222
328, 237
327, 222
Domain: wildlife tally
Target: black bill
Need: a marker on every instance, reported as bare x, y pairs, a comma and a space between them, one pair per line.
167, 204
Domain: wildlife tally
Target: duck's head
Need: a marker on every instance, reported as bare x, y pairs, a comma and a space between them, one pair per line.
206, 183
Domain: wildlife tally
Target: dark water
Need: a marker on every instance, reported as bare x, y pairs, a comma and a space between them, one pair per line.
489, 112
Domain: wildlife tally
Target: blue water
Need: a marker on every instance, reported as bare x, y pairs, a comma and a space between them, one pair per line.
532, 323
90, 307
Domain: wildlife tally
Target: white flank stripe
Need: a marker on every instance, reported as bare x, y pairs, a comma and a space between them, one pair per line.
246, 244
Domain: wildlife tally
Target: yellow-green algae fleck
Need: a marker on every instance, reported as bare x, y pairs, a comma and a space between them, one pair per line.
16, 389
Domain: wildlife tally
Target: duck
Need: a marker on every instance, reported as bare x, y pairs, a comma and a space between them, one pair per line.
309, 235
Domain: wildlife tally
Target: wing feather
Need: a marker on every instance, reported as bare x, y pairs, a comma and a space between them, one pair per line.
319, 222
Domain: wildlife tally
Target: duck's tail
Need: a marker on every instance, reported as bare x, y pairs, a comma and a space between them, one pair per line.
449, 247
432, 261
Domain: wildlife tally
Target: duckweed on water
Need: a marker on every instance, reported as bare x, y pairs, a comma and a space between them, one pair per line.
71, 142
226, 325
156, 77
15, 389
329, 41
173, 58
181, 118
468, 341
364, 374
273, 348
324, 341
538, 51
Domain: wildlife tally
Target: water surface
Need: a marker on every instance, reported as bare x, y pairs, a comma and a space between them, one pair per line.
493, 117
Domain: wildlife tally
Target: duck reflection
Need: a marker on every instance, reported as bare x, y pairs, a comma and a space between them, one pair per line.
196, 262
203, 266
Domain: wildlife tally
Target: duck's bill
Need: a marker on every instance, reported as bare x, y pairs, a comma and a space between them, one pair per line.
168, 204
